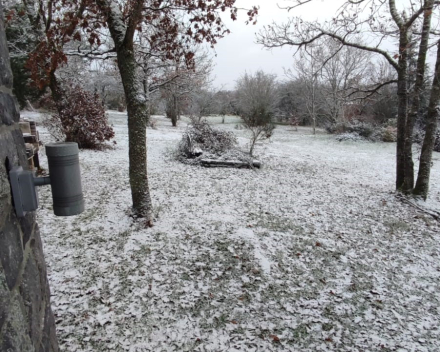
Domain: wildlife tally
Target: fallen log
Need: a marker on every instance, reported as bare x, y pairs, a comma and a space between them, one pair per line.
229, 163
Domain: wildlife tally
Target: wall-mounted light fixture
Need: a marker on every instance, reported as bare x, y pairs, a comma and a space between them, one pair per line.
64, 178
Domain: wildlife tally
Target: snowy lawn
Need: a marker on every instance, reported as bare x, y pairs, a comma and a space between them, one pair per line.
313, 252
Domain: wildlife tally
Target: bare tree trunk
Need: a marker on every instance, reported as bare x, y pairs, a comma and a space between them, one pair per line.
402, 93
103, 95
314, 106
408, 184
137, 111
145, 83
174, 115
253, 141
251, 151
422, 185
55, 88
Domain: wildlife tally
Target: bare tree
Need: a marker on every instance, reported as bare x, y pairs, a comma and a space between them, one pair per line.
182, 84
290, 103
422, 184
329, 75
104, 79
306, 73
384, 20
256, 100
344, 71
203, 103
225, 103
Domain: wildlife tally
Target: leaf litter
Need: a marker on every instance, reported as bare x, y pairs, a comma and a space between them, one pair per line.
313, 252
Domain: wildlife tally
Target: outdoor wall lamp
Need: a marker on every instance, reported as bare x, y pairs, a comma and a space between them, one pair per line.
64, 179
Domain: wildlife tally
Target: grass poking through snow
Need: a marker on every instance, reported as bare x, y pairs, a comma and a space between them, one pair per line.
311, 253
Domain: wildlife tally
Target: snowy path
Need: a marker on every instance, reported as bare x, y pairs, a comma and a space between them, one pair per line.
311, 253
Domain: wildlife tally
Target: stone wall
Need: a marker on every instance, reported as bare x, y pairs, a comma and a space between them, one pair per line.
26, 319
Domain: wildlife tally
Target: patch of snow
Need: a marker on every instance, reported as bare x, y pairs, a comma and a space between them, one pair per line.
313, 252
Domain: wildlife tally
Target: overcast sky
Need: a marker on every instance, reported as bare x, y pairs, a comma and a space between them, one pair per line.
237, 52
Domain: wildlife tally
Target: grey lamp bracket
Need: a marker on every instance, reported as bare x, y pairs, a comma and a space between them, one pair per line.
24, 192
65, 182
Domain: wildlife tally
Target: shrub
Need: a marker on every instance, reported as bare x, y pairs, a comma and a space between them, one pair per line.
152, 123
389, 134
54, 126
419, 135
258, 121
83, 118
362, 129
294, 122
335, 128
116, 102
349, 136
22, 88
257, 98
392, 122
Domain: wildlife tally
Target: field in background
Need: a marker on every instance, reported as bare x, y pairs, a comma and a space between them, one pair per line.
311, 253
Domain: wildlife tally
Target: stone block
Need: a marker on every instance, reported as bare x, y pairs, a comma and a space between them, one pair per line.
27, 224
21, 151
5, 68
34, 299
8, 109
49, 340
14, 337
12, 151
5, 193
38, 254
4, 298
11, 252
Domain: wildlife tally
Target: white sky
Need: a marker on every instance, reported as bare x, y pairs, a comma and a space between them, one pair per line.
237, 52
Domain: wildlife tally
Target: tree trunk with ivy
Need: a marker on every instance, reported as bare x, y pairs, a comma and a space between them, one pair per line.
422, 184
402, 111
408, 183
137, 106
172, 108
137, 111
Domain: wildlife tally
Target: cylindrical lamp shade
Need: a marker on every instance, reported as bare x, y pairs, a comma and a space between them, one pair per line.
65, 178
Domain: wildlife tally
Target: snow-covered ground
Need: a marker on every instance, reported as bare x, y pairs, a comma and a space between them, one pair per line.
313, 252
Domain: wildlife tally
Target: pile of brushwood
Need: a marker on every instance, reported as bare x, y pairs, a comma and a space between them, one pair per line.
203, 145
